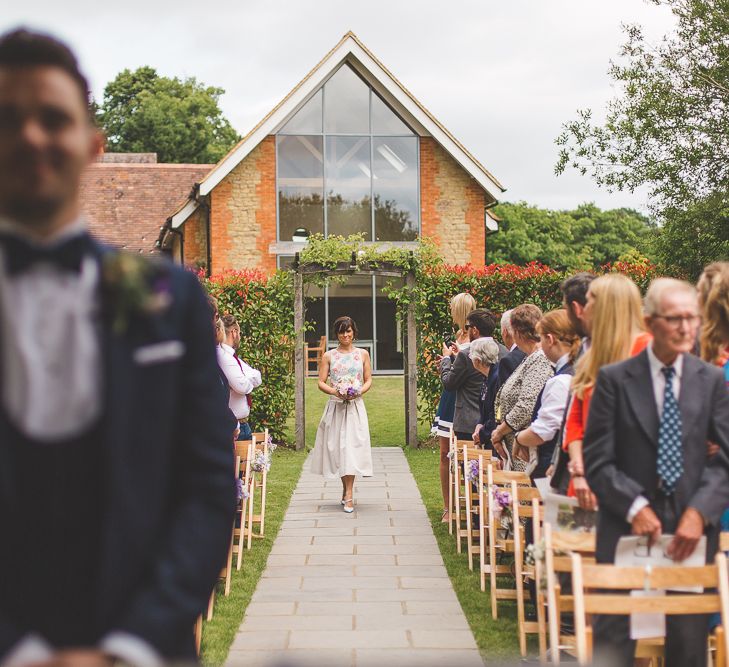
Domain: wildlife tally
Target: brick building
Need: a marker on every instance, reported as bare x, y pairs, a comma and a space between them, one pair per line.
348, 150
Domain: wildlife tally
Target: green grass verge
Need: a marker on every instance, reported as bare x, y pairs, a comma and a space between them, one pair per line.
496, 639
218, 634
385, 404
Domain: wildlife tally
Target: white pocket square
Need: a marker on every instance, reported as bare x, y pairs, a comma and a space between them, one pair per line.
157, 353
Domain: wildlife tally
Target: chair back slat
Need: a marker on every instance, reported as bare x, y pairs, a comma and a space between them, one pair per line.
613, 577
668, 604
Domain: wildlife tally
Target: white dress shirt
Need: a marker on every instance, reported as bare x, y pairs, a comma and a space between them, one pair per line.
52, 383
659, 387
242, 380
50, 346
554, 401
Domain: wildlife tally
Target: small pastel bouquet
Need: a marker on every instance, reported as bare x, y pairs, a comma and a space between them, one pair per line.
348, 388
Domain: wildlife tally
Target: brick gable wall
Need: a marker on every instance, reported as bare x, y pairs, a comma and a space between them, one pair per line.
452, 206
243, 213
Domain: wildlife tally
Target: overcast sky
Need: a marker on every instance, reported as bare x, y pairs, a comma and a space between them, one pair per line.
502, 75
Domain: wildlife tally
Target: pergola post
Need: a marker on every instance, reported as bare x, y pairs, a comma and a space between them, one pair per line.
299, 368
411, 369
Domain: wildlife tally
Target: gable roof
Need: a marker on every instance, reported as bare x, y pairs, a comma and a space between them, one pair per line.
352, 51
126, 203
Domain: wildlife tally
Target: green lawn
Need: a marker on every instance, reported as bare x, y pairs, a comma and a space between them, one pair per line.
385, 410
219, 633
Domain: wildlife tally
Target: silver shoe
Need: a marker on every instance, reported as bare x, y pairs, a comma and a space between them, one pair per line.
348, 510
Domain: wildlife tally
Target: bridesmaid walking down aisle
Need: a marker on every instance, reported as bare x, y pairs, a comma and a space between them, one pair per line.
342, 447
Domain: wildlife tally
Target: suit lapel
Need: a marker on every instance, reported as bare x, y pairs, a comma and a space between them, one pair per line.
691, 394
117, 369
641, 396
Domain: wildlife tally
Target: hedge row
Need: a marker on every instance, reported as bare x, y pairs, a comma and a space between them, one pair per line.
264, 306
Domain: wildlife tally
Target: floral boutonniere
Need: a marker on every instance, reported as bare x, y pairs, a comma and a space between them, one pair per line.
134, 286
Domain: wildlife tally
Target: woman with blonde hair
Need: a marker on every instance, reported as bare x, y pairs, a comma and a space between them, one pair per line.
713, 289
618, 332
461, 305
560, 344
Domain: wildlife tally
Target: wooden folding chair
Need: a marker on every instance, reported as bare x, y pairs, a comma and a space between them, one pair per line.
452, 463
606, 593
465, 450
243, 459
558, 545
313, 354
471, 499
526, 504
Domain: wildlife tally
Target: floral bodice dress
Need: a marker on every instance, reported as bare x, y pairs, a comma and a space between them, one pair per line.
343, 438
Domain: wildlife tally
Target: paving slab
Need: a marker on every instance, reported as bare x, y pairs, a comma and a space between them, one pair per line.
359, 589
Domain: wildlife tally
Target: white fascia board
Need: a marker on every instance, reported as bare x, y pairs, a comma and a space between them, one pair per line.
183, 214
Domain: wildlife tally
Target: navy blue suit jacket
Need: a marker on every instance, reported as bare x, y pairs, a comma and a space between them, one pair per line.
167, 447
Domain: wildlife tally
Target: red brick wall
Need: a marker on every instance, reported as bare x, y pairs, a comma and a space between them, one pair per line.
452, 206
196, 242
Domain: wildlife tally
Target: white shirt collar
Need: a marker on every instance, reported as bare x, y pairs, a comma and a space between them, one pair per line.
227, 348
561, 362
78, 226
656, 364
513, 347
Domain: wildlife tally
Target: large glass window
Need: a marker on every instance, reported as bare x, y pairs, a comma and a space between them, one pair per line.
347, 164
300, 184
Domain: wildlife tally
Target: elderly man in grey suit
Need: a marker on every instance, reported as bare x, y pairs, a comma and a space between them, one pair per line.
458, 374
645, 452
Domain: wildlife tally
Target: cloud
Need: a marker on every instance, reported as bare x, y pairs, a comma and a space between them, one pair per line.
502, 76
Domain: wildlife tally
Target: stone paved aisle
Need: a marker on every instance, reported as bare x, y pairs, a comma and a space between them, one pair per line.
360, 589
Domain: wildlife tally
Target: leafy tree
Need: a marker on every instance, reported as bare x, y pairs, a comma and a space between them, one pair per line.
692, 237
584, 238
180, 120
668, 128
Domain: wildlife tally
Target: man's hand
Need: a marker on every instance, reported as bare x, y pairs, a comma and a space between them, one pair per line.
583, 493
646, 523
475, 436
689, 531
711, 449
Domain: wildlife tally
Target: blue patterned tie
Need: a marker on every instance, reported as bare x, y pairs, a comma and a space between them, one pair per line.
670, 453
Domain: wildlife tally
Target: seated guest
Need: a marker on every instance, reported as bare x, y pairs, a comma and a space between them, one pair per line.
645, 459
617, 329
518, 395
458, 374
560, 344
242, 378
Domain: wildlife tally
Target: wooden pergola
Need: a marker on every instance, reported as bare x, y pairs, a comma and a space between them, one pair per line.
352, 269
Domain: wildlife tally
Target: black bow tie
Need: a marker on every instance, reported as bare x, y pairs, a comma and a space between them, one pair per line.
20, 254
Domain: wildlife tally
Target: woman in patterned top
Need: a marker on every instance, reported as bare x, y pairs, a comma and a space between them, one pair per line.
518, 395
342, 446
